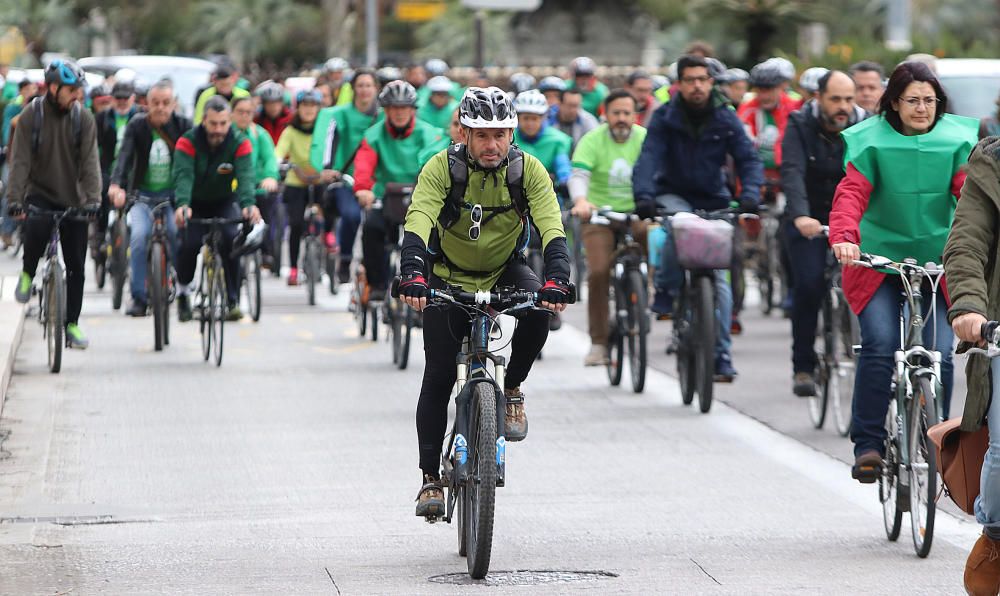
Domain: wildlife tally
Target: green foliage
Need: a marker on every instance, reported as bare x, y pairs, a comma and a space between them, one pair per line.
452, 36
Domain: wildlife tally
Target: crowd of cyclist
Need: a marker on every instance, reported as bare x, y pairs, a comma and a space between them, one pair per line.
704, 138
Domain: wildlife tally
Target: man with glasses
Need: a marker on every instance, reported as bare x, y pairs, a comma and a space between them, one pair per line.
570, 117
687, 144
110, 132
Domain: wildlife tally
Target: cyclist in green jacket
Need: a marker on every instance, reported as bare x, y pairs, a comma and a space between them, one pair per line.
208, 160
585, 79
265, 164
550, 145
389, 153
438, 109
336, 139
479, 251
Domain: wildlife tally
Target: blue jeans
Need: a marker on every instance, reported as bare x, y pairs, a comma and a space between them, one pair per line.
808, 267
7, 224
988, 501
349, 222
140, 223
879, 322
670, 277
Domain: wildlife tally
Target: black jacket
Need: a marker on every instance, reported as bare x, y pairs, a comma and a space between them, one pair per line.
133, 158
107, 137
812, 163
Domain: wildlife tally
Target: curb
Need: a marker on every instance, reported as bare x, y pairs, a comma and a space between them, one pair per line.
11, 329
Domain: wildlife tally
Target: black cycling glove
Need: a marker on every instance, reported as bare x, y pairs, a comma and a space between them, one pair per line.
555, 291
645, 208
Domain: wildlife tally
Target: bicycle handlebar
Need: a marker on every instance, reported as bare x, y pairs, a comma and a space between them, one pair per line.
75, 213
513, 298
879, 262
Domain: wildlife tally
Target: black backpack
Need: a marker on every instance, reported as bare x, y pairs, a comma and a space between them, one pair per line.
36, 126
458, 171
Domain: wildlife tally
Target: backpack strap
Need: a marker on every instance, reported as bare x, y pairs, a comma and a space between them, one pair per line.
36, 124
458, 171
515, 180
77, 128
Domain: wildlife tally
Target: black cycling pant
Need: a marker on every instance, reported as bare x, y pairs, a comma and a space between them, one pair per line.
192, 238
296, 199
376, 233
266, 203
73, 238
444, 329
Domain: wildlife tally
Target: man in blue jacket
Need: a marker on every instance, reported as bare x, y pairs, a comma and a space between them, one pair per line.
681, 169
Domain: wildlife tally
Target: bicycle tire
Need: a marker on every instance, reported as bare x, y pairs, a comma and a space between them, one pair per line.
277, 237
848, 335
638, 323
404, 349
100, 272
480, 491
157, 283
703, 329
118, 263
393, 319
373, 315
360, 308
888, 480
824, 346
923, 456
219, 312
331, 271
309, 262
205, 309
681, 338
616, 342
55, 317
463, 542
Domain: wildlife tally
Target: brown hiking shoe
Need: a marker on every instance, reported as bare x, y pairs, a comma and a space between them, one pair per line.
867, 467
516, 421
430, 499
982, 569
804, 385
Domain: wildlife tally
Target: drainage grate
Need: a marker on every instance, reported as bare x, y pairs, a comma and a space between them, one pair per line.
522, 577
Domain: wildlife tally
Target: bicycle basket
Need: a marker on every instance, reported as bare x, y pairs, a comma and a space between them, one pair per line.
702, 243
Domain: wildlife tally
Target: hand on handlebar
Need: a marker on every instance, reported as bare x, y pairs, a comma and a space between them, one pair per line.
251, 213
181, 215
554, 295
847, 253
413, 289
365, 198
582, 209
809, 227
329, 176
269, 185
117, 196
968, 327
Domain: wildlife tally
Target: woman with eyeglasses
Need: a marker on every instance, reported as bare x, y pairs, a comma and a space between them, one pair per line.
293, 148
904, 176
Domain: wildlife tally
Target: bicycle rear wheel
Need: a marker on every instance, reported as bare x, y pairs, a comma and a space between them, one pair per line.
55, 314
847, 335
311, 269
118, 264
156, 281
923, 467
219, 311
332, 258
638, 329
824, 346
373, 315
480, 491
616, 340
704, 333
888, 480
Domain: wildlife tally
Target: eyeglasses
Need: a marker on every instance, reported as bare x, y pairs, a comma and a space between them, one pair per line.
914, 102
477, 222
690, 80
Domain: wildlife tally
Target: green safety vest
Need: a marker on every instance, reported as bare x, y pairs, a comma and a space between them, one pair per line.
546, 147
911, 207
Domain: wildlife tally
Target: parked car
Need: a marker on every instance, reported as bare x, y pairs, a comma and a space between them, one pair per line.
972, 84
187, 74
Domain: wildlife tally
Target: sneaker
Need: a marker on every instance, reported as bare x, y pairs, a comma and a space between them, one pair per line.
183, 308
293, 276
867, 467
330, 241
724, 371
736, 327
138, 309
982, 569
804, 385
75, 337
430, 499
22, 293
344, 272
516, 424
663, 306
598, 356
234, 313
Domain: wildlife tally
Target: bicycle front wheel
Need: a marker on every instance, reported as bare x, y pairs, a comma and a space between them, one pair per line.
480, 491
55, 315
311, 266
616, 340
923, 466
703, 336
847, 334
157, 284
638, 329
824, 372
219, 311
119, 261
251, 281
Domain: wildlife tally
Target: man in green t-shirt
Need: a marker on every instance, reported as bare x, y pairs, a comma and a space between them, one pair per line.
145, 167
602, 178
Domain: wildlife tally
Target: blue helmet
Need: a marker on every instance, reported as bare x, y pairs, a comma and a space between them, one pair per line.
309, 96
64, 72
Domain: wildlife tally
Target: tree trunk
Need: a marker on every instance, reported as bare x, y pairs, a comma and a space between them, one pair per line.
339, 26
759, 33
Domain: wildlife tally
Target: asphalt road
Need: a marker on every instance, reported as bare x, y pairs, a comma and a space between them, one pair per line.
292, 469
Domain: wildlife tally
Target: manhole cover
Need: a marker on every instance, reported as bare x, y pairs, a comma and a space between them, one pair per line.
523, 577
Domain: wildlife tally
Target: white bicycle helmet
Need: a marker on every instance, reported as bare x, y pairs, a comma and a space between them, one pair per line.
531, 102
582, 66
336, 64
439, 84
551, 83
486, 108
436, 67
809, 81
784, 66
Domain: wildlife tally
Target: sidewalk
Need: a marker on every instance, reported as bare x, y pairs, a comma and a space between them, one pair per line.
11, 326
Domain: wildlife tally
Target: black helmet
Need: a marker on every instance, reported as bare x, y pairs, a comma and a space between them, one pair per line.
249, 239
398, 93
767, 75
521, 82
64, 72
716, 69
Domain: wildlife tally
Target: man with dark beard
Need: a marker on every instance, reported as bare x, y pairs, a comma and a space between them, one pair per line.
602, 177
813, 165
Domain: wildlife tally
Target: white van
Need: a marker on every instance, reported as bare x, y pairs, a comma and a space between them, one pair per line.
972, 85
